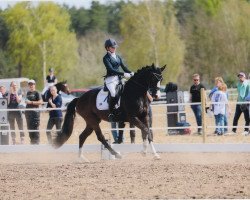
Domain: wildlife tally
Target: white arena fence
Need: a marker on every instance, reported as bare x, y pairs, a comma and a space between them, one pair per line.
243, 146
161, 104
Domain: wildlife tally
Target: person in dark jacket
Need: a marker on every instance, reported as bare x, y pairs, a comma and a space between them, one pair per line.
33, 100
113, 63
55, 116
195, 97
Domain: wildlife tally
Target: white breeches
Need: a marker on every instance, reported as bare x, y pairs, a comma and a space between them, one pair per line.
111, 83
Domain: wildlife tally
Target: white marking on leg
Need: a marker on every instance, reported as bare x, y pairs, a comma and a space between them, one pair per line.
145, 147
156, 155
81, 157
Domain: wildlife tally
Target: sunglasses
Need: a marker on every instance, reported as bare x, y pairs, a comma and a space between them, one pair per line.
196, 79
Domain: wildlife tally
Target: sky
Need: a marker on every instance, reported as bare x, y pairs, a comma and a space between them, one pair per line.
76, 3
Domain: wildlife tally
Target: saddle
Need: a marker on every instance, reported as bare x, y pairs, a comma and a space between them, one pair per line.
102, 99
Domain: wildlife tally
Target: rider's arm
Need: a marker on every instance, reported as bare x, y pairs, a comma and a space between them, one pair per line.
125, 69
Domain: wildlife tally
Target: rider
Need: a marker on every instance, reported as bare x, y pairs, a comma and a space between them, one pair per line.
113, 63
50, 80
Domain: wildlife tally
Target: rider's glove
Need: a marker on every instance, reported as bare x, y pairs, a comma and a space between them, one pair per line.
127, 75
132, 74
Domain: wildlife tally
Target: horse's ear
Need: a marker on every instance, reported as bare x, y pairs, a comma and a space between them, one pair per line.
162, 68
152, 65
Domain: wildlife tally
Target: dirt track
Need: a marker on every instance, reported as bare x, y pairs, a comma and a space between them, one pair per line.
176, 175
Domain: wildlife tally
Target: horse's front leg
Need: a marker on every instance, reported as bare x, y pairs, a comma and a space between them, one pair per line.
144, 126
101, 138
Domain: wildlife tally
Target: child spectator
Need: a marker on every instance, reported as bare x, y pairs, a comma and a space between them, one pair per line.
219, 82
219, 100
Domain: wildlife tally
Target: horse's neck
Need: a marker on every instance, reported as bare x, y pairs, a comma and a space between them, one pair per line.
137, 86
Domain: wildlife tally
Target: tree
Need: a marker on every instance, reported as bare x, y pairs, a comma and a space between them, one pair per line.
151, 35
40, 37
217, 44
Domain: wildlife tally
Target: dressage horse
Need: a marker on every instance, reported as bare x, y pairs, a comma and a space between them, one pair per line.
133, 104
61, 86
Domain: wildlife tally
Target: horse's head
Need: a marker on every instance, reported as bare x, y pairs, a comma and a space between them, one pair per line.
62, 86
155, 78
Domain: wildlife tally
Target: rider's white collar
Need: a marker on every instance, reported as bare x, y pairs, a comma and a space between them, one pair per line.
112, 54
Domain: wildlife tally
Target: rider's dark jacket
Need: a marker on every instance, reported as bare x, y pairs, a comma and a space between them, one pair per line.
112, 65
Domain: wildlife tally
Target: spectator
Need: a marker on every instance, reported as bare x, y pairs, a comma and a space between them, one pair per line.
243, 91
220, 101
3, 91
33, 100
14, 98
195, 97
55, 116
116, 132
218, 83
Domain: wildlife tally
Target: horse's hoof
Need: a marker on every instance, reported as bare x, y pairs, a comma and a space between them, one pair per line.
118, 156
144, 153
157, 157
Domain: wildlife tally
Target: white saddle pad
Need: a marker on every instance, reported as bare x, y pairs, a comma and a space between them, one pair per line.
102, 101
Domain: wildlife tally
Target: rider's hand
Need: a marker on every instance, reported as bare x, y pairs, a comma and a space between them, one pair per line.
127, 75
132, 74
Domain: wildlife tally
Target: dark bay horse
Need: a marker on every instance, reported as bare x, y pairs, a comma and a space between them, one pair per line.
61, 86
134, 108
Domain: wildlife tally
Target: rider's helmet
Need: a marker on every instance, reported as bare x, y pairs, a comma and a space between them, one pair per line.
110, 43
51, 70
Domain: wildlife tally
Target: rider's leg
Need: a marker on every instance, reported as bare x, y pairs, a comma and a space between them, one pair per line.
111, 83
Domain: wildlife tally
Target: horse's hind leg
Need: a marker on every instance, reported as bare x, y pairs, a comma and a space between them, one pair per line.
82, 137
101, 138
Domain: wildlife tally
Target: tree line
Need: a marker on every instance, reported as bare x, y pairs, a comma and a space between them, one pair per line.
209, 37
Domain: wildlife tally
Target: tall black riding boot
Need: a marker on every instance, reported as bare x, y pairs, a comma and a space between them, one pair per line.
112, 102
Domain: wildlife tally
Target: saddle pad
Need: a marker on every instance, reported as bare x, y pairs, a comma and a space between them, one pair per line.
102, 100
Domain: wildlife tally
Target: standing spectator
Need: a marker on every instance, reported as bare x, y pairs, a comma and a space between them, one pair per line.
218, 83
33, 100
55, 116
220, 101
243, 90
14, 98
195, 97
3, 91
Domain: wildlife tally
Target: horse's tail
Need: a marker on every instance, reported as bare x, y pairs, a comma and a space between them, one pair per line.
68, 125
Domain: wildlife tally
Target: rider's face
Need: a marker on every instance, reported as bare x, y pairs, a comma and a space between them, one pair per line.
111, 49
